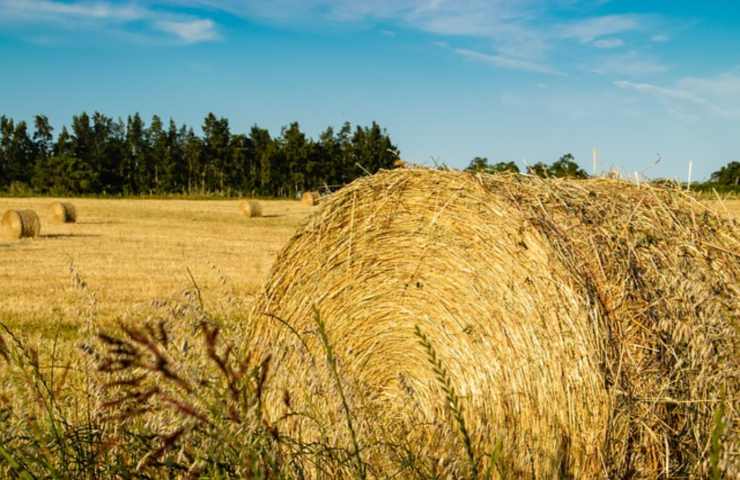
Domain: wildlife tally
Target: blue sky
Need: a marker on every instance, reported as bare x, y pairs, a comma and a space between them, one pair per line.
524, 80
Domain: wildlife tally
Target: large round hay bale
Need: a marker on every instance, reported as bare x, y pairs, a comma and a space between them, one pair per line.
251, 208
63, 212
20, 223
310, 198
564, 329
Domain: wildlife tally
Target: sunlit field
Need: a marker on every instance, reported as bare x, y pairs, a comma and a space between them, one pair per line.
179, 278
133, 252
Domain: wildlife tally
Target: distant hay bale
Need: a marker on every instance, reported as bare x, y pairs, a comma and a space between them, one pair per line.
588, 328
310, 198
251, 208
20, 224
63, 212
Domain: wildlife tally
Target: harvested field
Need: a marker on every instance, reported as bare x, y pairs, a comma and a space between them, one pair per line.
534, 356
134, 251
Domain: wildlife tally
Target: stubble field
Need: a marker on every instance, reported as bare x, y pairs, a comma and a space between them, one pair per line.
131, 262
131, 253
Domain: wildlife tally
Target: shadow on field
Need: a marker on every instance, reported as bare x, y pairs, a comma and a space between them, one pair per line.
101, 222
70, 235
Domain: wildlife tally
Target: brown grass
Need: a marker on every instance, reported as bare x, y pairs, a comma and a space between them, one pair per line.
590, 327
137, 251
17, 224
647, 317
63, 212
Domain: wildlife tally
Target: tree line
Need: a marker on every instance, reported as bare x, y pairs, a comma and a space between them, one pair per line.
100, 155
565, 166
726, 179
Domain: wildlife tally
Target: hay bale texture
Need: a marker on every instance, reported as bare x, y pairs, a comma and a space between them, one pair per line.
63, 212
310, 198
251, 208
566, 329
20, 224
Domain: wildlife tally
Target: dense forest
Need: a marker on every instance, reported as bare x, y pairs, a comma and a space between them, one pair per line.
100, 155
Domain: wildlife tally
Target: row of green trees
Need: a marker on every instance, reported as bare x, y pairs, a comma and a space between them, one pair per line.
727, 178
100, 155
566, 166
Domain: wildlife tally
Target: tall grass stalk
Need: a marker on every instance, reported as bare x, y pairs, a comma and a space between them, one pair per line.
453, 401
332, 364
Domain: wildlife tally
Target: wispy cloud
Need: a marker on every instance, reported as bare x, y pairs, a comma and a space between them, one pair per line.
190, 31
508, 63
608, 43
108, 16
509, 25
718, 94
44, 9
659, 38
671, 93
630, 64
590, 29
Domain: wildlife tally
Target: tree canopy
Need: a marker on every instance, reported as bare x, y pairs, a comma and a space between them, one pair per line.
480, 164
564, 167
727, 176
100, 155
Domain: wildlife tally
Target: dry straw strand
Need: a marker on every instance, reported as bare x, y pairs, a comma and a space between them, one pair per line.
20, 224
63, 212
583, 325
251, 208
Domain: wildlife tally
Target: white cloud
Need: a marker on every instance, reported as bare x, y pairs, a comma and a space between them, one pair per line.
508, 63
631, 64
44, 9
190, 31
726, 86
608, 43
671, 93
590, 29
659, 38
507, 24
113, 17
718, 94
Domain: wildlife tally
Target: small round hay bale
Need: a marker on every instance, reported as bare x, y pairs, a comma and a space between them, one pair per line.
251, 208
581, 325
20, 224
63, 212
310, 198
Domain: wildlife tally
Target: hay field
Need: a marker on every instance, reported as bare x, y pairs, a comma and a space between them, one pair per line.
730, 207
132, 252
164, 381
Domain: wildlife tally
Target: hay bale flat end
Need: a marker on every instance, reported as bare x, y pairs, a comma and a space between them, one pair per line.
20, 224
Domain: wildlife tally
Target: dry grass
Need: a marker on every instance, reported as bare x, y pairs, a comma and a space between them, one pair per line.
135, 251
165, 286
588, 326
729, 207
